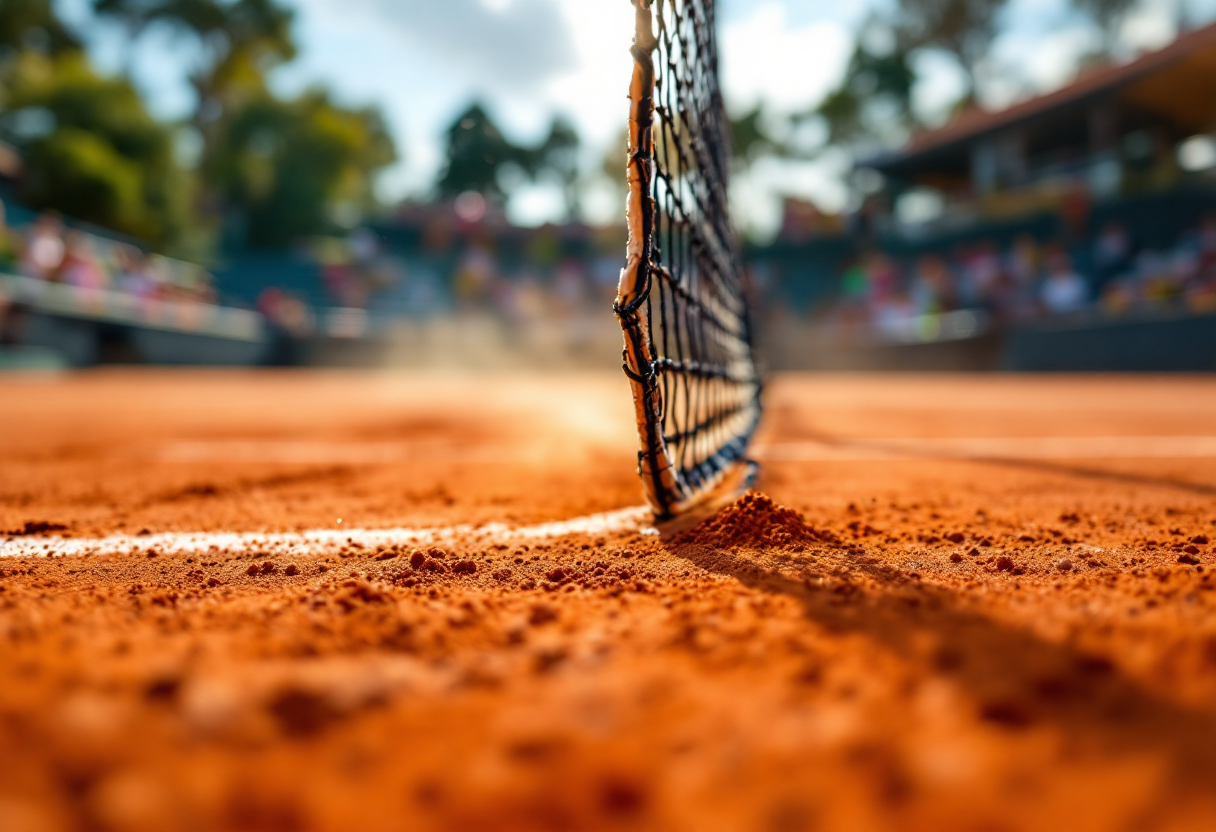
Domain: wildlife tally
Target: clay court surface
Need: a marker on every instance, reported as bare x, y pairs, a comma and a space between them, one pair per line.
995, 612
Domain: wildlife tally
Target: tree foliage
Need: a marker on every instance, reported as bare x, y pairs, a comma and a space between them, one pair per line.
750, 139
285, 166
276, 168
614, 165
475, 154
873, 103
963, 29
92, 149
272, 169
558, 155
242, 41
1107, 16
479, 157
33, 25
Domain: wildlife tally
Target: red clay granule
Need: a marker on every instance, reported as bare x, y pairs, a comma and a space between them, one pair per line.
755, 521
36, 527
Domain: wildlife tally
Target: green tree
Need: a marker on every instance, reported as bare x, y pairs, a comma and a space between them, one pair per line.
962, 29
475, 155
558, 155
272, 170
33, 24
873, 104
1107, 16
93, 151
285, 168
614, 166
750, 140
242, 42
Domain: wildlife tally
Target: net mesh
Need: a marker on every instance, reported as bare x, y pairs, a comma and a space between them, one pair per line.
682, 302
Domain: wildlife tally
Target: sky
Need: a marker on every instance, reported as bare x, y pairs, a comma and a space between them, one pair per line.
423, 61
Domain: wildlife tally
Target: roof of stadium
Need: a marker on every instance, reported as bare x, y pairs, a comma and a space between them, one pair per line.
1175, 84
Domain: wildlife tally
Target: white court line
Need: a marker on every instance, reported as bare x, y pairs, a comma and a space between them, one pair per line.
324, 540
1004, 447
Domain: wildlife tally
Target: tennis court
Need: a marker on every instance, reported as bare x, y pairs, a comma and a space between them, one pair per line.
968, 626
691, 596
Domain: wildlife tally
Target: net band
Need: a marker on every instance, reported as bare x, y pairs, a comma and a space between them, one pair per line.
682, 303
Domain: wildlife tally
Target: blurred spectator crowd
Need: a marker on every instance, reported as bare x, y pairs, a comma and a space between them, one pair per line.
511, 275
47, 250
569, 287
1032, 280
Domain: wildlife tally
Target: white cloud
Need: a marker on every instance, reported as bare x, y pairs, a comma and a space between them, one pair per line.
1150, 25
422, 61
766, 58
939, 85
1055, 52
535, 203
756, 197
513, 43
527, 59
789, 67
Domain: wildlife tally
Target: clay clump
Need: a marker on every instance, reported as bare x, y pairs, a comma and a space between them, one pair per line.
754, 521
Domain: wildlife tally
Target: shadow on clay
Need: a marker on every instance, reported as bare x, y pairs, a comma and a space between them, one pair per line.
1040, 465
1017, 679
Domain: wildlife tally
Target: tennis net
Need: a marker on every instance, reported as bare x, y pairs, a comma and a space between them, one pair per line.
682, 300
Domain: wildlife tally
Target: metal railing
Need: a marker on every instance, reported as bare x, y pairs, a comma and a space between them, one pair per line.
109, 306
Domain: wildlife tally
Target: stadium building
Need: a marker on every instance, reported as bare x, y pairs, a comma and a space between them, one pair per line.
1117, 133
1089, 212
